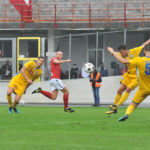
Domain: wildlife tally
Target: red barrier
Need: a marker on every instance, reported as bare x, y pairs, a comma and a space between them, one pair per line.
74, 13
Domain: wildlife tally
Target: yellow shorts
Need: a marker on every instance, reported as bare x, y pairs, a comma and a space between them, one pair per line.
129, 81
140, 96
18, 88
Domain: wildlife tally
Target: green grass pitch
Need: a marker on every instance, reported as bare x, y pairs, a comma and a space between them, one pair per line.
89, 128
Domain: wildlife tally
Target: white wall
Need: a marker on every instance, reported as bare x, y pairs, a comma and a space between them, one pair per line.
80, 92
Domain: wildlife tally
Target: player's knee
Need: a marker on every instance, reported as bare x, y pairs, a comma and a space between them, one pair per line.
53, 97
17, 101
66, 92
134, 104
9, 93
128, 90
119, 91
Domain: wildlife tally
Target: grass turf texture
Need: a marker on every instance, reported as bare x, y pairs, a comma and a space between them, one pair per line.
49, 128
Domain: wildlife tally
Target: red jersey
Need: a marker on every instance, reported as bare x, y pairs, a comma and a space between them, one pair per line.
55, 69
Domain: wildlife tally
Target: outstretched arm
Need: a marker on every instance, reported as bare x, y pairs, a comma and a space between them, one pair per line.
115, 54
56, 61
146, 43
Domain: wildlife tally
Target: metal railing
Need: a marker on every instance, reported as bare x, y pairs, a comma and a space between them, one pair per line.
74, 13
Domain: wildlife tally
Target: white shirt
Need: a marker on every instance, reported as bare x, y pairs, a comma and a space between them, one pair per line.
84, 74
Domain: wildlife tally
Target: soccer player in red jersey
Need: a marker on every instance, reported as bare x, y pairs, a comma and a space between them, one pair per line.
56, 82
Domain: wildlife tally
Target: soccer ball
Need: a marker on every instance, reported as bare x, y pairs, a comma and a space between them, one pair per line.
89, 67
22, 102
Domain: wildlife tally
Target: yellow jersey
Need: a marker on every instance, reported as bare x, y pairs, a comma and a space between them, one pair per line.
31, 71
133, 53
143, 65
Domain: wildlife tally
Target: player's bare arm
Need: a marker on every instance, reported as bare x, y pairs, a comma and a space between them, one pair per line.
146, 43
36, 77
56, 61
24, 74
59, 56
26, 88
115, 54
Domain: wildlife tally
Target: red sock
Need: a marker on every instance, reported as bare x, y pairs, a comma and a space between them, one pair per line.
46, 93
65, 98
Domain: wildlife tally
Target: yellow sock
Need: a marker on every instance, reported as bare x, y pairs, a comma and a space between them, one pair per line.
123, 98
9, 98
117, 98
130, 109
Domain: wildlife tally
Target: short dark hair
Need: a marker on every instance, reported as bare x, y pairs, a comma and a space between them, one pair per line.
122, 47
147, 47
41, 57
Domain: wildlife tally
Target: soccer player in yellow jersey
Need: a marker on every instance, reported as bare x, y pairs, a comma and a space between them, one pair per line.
20, 82
129, 80
143, 65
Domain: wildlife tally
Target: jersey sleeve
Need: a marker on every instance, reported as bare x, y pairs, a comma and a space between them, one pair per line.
135, 61
52, 60
136, 50
29, 64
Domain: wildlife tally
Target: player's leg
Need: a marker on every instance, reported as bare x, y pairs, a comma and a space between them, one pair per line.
129, 110
124, 97
54, 94
138, 98
16, 101
113, 108
19, 91
132, 84
51, 95
121, 89
125, 80
9, 98
12, 85
65, 99
124, 83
